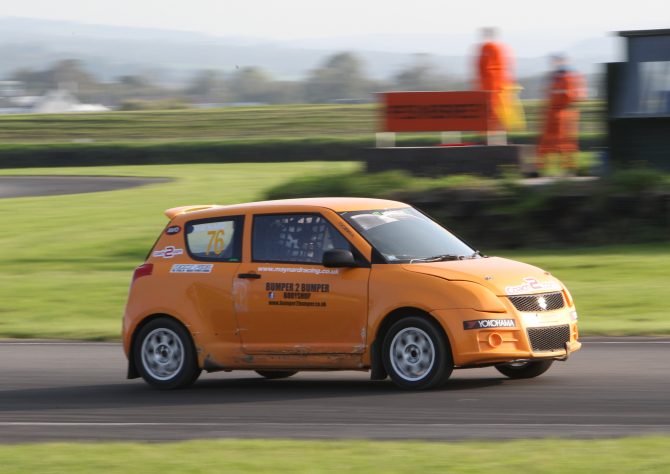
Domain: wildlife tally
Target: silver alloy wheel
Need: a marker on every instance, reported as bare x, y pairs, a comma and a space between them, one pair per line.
162, 354
412, 354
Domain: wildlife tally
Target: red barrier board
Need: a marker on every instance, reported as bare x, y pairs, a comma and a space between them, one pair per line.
434, 111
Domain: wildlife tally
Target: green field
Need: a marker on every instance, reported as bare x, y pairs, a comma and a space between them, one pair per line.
67, 260
189, 124
266, 122
273, 133
640, 455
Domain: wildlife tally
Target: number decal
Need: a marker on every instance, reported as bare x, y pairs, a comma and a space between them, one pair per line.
215, 242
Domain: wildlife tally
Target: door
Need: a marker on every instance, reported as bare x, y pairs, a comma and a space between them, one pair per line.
215, 244
287, 302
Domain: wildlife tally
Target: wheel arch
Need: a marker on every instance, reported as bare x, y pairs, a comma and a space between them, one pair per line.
133, 373
378, 372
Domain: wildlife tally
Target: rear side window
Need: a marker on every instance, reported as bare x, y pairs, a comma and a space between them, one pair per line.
294, 238
217, 239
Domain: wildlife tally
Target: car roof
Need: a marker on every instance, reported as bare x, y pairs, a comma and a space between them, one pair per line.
337, 204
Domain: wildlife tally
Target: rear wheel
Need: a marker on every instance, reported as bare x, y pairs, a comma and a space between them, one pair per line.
524, 370
164, 354
416, 354
276, 374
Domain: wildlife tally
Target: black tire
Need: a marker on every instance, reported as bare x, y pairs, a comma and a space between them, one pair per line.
525, 370
276, 374
416, 354
165, 356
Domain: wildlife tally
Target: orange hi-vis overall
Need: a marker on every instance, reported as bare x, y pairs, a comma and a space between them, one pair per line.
561, 126
493, 69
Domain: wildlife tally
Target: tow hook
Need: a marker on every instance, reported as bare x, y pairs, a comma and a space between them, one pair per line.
566, 346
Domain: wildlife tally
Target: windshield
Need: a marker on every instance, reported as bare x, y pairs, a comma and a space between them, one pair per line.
407, 236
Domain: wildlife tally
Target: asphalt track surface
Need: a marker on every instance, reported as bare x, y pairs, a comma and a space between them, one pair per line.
77, 391
24, 186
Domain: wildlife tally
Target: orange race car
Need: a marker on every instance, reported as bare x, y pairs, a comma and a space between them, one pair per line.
336, 284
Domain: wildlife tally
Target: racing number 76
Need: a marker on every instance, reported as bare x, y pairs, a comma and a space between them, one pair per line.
215, 242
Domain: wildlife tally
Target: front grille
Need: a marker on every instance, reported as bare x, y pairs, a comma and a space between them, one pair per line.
551, 338
541, 302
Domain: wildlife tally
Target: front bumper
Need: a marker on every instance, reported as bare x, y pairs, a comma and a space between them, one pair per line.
503, 342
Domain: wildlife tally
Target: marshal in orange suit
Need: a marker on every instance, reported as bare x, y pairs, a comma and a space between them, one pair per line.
493, 67
561, 125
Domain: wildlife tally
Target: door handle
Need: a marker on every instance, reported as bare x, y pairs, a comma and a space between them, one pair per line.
254, 276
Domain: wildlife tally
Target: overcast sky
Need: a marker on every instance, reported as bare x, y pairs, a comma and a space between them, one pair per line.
563, 22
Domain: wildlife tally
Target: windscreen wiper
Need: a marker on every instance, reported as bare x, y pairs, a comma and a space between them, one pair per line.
438, 258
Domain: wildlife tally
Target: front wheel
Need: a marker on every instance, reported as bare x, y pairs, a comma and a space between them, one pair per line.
416, 354
276, 374
164, 354
524, 370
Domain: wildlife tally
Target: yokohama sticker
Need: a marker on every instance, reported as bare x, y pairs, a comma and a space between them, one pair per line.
489, 323
530, 285
168, 252
191, 268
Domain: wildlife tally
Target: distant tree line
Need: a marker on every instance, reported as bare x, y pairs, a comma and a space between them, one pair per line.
339, 78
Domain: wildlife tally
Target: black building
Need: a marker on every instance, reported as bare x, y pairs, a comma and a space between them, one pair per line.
638, 93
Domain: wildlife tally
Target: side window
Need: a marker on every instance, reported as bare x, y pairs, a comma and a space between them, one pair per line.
217, 239
294, 238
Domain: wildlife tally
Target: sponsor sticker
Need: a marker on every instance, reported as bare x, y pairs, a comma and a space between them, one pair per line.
296, 293
191, 268
314, 271
489, 323
168, 252
173, 229
531, 284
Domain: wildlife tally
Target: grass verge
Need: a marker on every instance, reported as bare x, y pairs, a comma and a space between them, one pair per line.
67, 260
238, 150
642, 455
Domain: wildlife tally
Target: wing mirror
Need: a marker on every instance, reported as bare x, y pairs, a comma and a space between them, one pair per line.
339, 258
